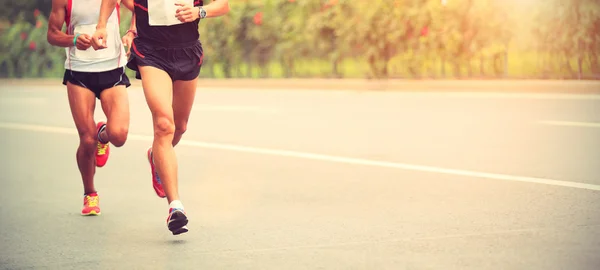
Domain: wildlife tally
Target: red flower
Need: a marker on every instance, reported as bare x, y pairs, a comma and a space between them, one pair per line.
23, 36
38, 24
32, 45
258, 18
36, 13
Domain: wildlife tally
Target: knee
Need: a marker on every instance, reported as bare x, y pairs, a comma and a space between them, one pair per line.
88, 142
118, 136
164, 127
180, 128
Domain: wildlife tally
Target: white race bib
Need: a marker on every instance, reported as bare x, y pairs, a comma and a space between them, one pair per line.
162, 12
91, 54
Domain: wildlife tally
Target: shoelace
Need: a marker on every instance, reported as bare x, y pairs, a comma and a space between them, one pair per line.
101, 148
92, 201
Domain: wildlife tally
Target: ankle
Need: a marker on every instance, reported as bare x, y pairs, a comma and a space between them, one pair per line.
176, 204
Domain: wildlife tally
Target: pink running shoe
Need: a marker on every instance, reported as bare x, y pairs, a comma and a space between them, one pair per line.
156, 183
103, 149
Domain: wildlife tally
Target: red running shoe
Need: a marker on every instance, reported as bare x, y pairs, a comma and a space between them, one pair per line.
156, 183
103, 149
91, 205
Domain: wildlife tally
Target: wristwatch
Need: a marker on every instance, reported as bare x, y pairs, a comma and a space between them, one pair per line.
201, 13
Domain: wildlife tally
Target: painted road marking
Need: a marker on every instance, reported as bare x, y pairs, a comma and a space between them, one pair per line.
23, 100
571, 124
231, 108
321, 157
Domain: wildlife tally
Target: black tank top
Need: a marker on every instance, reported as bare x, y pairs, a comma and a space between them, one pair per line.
167, 35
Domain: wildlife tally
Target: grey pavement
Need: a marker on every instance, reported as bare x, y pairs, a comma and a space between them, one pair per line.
293, 179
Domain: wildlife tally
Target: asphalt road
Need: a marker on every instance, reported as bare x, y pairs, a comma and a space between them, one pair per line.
295, 179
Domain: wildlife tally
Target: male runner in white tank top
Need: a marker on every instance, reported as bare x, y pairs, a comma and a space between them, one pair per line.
91, 74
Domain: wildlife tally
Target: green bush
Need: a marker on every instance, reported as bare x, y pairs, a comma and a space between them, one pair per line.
373, 39
26, 52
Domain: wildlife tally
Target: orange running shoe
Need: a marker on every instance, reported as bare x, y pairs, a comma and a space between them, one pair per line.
103, 149
156, 183
91, 204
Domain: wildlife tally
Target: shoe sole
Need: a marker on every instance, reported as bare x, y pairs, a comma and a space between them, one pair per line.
177, 223
92, 213
183, 229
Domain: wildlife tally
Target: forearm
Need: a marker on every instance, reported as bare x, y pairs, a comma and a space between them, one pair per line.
106, 9
216, 8
60, 39
133, 26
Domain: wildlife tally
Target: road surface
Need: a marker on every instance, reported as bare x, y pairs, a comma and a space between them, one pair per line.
295, 179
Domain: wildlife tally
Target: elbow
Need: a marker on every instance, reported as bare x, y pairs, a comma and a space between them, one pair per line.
50, 39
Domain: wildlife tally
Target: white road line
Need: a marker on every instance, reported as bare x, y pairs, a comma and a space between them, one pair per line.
495, 95
571, 124
329, 158
231, 108
23, 100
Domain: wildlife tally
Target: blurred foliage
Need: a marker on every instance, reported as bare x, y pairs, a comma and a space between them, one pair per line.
14, 11
373, 39
25, 52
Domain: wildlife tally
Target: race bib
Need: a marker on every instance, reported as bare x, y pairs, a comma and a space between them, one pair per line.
162, 12
90, 53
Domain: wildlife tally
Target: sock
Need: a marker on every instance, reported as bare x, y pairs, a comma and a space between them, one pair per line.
99, 132
176, 204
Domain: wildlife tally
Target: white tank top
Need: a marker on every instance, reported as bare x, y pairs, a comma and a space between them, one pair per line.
82, 17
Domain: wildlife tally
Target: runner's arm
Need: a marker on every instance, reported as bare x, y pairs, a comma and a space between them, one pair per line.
55, 35
132, 27
106, 9
216, 8
130, 35
99, 37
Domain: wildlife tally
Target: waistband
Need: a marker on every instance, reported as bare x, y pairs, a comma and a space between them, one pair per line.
162, 44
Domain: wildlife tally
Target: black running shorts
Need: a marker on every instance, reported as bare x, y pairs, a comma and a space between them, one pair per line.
97, 81
181, 61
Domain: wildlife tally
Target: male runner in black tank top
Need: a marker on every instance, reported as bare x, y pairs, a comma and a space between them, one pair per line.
168, 56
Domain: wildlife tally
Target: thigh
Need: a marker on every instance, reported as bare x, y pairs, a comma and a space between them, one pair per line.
158, 89
83, 103
184, 93
115, 104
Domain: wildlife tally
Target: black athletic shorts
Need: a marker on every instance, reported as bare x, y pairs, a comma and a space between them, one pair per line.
97, 81
181, 61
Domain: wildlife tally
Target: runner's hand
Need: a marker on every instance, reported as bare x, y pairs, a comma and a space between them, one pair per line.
99, 39
186, 12
83, 42
127, 41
